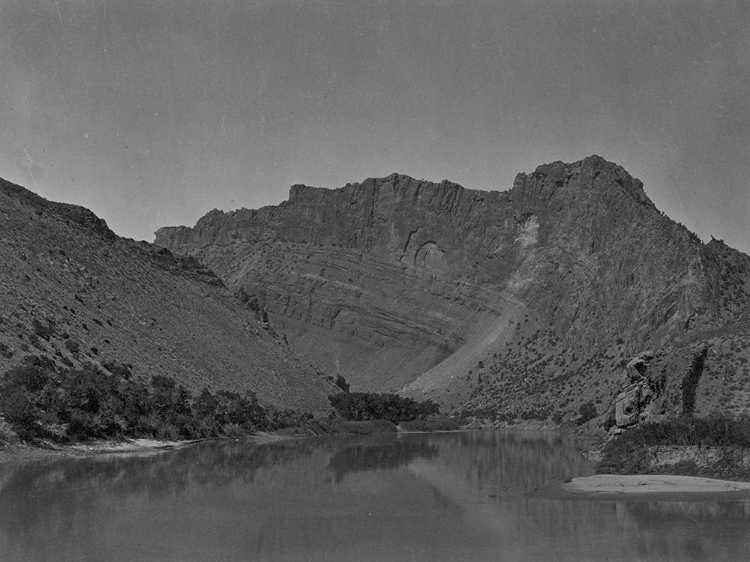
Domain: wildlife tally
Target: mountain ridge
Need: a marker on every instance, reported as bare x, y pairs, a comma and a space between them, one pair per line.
385, 280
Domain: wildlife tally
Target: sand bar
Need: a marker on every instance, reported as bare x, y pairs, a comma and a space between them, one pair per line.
649, 487
23, 453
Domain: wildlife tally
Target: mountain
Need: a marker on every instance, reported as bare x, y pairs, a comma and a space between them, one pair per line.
528, 302
71, 290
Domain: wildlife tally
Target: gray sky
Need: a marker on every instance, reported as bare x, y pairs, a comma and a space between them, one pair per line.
152, 113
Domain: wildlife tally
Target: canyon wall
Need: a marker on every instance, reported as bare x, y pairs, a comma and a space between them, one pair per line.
532, 299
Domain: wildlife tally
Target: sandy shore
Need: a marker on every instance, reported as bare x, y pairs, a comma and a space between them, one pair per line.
649, 487
22, 453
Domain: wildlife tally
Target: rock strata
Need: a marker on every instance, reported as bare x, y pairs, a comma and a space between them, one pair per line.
524, 303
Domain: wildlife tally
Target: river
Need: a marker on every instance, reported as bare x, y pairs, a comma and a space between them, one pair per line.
409, 497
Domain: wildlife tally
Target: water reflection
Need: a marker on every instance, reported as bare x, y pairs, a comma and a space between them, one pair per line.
457, 496
378, 452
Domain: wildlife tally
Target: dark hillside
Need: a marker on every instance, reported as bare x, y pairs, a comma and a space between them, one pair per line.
72, 290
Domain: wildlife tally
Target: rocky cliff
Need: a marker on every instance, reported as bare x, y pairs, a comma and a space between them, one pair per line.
526, 302
71, 290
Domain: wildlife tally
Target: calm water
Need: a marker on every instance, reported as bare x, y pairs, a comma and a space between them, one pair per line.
450, 496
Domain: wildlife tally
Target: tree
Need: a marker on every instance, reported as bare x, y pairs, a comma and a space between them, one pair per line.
587, 412
342, 384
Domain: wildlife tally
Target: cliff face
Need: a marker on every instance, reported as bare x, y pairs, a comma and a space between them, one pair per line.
73, 291
476, 298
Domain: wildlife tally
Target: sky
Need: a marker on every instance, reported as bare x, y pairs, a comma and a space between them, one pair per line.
152, 113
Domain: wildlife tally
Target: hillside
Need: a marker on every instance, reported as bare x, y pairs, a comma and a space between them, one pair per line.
527, 302
70, 289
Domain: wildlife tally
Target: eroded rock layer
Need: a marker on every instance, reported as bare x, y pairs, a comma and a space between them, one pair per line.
528, 301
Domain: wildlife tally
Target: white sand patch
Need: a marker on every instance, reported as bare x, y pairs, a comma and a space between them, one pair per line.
125, 446
651, 484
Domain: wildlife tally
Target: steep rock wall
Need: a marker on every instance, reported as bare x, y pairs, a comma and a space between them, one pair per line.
391, 282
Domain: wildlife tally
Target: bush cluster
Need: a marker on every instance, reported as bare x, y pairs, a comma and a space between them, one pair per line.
364, 406
43, 402
628, 453
535, 414
586, 412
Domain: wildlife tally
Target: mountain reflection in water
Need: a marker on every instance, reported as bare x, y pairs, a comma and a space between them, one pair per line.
385, 451
453, 496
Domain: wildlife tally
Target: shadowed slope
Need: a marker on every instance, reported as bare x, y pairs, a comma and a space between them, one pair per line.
72, 290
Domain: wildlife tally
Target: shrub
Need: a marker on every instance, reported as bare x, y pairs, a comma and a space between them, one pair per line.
586, 412
430, 425
342, 384
41, 402
628, 453
120, 370
19, 412
690, 382
361, 427
364, 406
42, 331
5, 351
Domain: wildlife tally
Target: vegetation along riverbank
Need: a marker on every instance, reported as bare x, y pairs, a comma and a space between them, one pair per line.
48, 410
716, 446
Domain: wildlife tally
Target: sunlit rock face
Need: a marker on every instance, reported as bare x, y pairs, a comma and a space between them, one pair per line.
517, 300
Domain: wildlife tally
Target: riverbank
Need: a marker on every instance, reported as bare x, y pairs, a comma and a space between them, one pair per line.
20, 452
713, 447
24, 452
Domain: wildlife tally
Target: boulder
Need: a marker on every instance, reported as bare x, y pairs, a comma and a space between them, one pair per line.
627, 406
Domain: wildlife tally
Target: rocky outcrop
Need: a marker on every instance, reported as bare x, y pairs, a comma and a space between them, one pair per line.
632, 402
628, 405
658, 386
517, 300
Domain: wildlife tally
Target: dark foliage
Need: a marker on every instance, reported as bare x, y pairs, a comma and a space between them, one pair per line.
44, 331
370, 427
342, 384
431, 425
536, 414
41, 401
5, 351
690, 382
363, 406
628, 453
586, 412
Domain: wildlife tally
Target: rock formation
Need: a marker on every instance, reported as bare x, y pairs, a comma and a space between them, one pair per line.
527, 302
